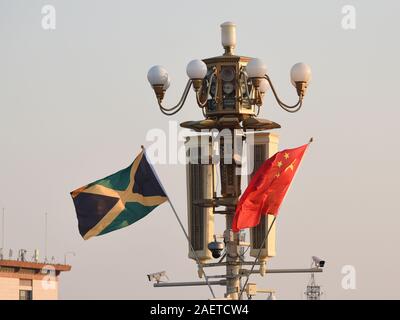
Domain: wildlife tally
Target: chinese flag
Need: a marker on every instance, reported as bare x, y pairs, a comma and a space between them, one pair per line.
267, 188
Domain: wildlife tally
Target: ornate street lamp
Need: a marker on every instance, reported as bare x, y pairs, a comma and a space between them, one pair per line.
229, 85
230, 91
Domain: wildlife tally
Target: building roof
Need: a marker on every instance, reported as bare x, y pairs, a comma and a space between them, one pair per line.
30, 270
33, 265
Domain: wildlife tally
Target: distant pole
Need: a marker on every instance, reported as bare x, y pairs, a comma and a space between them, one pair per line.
45, 237
3, 228
66, 254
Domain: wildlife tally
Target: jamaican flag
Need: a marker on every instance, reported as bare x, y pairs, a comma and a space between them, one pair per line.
118, 200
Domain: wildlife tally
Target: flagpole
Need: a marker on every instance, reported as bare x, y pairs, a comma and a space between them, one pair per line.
258, 256
182, 227
191, 247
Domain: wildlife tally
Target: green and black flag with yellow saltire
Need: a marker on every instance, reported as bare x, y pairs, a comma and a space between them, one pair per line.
118, 200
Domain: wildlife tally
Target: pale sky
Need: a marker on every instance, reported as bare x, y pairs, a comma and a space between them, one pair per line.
75, 106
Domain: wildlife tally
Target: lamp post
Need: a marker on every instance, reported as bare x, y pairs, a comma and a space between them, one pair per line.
230, 91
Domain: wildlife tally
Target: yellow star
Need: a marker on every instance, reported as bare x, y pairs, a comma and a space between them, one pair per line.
286, 155
277, 175
280, 164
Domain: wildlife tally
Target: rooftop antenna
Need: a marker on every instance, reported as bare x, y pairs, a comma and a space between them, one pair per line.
22, 255
36, 255
66, 254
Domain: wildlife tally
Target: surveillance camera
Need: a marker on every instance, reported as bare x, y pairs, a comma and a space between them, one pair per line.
157, 276
271, 296
216, 248
318, 262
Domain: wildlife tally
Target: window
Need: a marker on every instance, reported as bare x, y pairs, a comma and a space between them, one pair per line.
25, 282
25, 294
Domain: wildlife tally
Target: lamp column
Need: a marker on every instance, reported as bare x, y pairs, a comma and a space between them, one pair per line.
230, 91
230, 190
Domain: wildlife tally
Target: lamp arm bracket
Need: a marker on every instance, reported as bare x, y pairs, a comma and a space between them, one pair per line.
180, 104
294, 108
200, 103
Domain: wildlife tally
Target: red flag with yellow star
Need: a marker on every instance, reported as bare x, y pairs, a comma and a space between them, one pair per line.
267, 188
